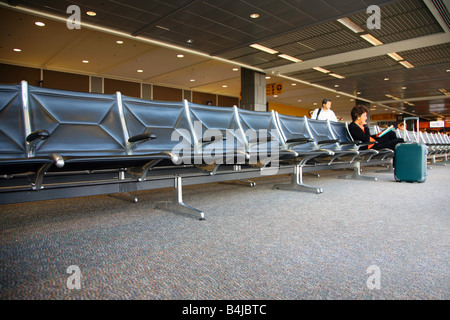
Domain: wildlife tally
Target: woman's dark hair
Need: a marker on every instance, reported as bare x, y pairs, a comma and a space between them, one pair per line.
358, 111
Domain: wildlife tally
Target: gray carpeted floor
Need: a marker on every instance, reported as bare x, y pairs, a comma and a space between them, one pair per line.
256, 243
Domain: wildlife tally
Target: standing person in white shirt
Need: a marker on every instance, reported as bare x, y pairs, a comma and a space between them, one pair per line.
324, 113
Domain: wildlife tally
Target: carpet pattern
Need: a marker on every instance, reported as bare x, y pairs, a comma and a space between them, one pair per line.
256, 243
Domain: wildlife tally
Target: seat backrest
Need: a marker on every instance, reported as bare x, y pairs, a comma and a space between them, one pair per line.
168, 121
340, 131
224, 121
320, 131
292, 127
12, 130
260, 128
80, 124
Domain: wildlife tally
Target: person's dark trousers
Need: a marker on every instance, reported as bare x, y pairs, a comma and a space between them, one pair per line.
389, 140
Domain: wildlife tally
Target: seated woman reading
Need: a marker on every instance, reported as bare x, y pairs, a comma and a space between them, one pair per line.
360, 131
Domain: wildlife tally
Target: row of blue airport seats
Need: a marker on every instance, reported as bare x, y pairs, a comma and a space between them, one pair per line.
48, 137
438, 144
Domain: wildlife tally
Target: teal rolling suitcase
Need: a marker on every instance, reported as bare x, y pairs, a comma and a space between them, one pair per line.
411, 160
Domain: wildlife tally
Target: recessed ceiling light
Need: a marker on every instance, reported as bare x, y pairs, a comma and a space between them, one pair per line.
224, 86
293, 84
17, 50
395, 56
192, 80
321, 70
119, 42
39, 24
267, 77
404, 88
371, 39
91, 13
448, 70
275, 96
350, 24
140, 70
164, 28
254, 15
189, 41
337, 76
288, 57
406, 64
85, 61
235, 69
262, 48
336, 86
180, 55
386, 79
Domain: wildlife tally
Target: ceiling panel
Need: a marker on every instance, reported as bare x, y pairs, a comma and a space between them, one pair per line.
205, 30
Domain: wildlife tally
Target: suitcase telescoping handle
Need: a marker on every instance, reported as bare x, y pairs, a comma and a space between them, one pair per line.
417, 126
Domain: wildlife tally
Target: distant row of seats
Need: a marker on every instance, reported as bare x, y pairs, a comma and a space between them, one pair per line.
61, 139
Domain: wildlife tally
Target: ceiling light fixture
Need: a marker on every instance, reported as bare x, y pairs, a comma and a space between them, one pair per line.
395, 56
85, 61
164, 28
290, 58
262, 48
140, 70
39, 24
17, 50
180, 55
350, 24
235, 69
371, 39
337, 76
119, 42
254, 15
91, 13
321, 70
406, 64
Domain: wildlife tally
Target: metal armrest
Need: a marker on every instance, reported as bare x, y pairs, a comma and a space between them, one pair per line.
139, 138
37, 136
33, 139
142, 137
325, 142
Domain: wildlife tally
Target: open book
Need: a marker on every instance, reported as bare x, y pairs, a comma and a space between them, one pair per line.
386, 131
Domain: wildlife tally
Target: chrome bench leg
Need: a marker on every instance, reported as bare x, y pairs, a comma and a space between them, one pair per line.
297, 183
357, 174
177, 205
